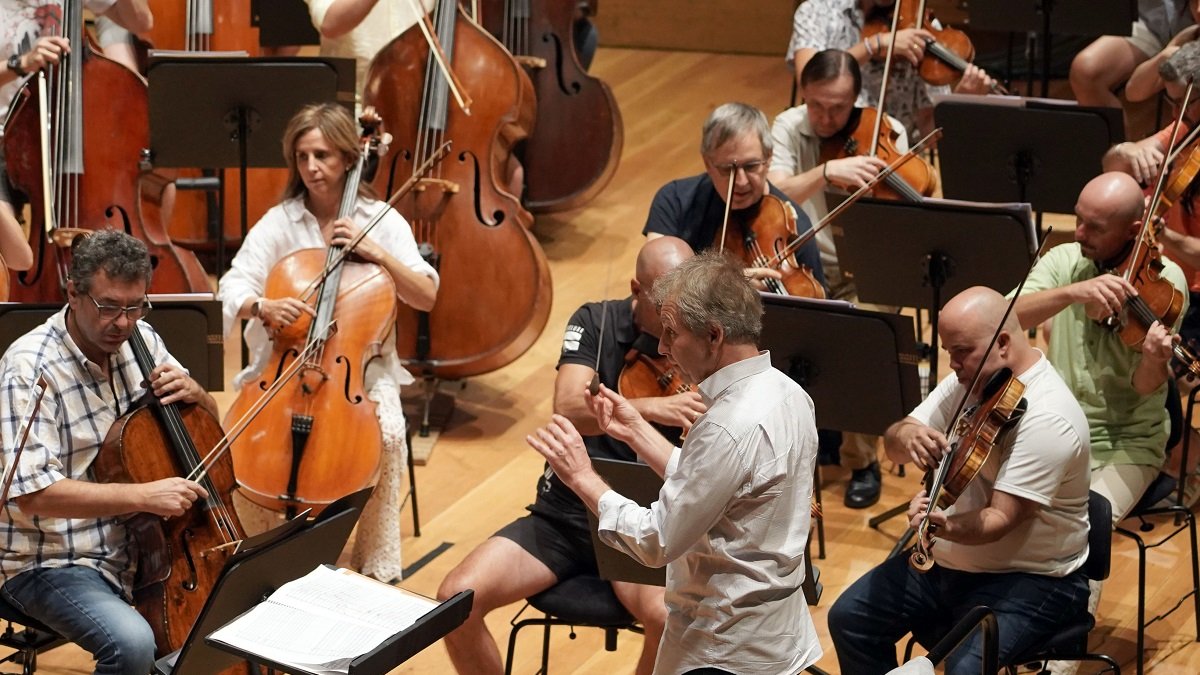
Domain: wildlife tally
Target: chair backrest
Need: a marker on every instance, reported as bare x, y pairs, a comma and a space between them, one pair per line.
1099, 558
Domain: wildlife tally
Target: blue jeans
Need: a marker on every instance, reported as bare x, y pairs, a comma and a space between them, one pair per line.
893, 599
79, 604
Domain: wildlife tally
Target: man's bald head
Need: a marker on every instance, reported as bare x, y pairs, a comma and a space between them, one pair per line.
659, 256
978, 310
1107, 215
966, 325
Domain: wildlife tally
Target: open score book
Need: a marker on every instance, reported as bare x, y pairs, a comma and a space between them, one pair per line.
324, 620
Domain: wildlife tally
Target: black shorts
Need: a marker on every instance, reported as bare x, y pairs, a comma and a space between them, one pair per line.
566, 550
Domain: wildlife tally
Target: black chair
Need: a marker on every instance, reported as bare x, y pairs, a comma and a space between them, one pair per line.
1070, 642
27, 643
1183, 519
586, 601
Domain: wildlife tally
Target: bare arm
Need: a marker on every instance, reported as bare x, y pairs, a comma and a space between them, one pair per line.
1180, 247
69, 498
1103, 295
344, 15
132, 15
988, 524
1141, 159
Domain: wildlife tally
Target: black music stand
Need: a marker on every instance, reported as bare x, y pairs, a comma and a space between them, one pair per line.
1051, 17
218, 112
189, 324
934, 250
858, 366
263, 564
1041, 152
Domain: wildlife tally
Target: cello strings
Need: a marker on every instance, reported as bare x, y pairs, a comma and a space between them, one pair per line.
238, 427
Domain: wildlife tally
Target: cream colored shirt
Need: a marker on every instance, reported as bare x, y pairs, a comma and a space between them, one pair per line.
387, 20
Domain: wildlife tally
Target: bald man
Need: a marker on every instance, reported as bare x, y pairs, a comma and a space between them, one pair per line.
1015, 540
553, 542
1122, 390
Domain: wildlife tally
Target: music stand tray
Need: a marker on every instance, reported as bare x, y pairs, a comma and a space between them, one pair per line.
263, 564
935, 249
1037, 151
858, 366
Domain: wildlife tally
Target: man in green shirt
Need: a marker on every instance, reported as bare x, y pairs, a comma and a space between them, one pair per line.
1122, 390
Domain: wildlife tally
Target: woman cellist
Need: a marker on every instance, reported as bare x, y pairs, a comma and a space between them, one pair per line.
321, 147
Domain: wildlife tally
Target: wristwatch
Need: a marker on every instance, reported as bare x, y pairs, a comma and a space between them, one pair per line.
14, 64
256, 307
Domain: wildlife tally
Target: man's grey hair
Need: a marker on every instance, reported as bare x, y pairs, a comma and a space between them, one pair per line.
731, 120
120, 256
711, 290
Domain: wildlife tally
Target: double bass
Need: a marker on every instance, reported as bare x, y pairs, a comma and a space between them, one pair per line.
73, 142
574, 149
495, 292
331, 439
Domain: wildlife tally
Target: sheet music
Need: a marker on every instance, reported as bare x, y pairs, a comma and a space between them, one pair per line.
324, 620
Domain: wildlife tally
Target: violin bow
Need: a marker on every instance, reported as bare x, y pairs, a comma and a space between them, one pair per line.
821, 224
728, 198
39, 388
1161, 181
920, 555
887, 72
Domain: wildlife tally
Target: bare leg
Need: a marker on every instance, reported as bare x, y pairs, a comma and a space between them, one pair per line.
500, 572
1102, 67
646, 603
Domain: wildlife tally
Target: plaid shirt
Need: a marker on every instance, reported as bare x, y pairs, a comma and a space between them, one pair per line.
68, 430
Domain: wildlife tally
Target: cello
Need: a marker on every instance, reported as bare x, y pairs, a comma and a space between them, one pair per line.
575, 147
81, 170
178, 559
325, 410
495, 292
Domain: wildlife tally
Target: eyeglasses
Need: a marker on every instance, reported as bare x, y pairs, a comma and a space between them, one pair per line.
110, 313
754, 166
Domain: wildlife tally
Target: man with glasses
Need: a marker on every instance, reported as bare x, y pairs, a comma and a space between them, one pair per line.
66, 561
736, 147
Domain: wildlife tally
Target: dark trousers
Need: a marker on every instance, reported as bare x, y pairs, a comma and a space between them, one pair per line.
893, 599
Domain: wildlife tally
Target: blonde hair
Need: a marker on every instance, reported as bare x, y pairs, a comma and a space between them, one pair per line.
338, 128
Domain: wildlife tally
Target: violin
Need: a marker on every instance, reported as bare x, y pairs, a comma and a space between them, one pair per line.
573, 150
178, 559
73, 142
646, 376
759, 236
1157, 298
911, 182
947, 54
975, 433
495, 292
335, 440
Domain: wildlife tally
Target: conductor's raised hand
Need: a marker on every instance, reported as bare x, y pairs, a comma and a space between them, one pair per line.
615, 414
562, 446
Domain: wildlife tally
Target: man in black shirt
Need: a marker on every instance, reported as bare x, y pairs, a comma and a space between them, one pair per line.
553, 542
736, 146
